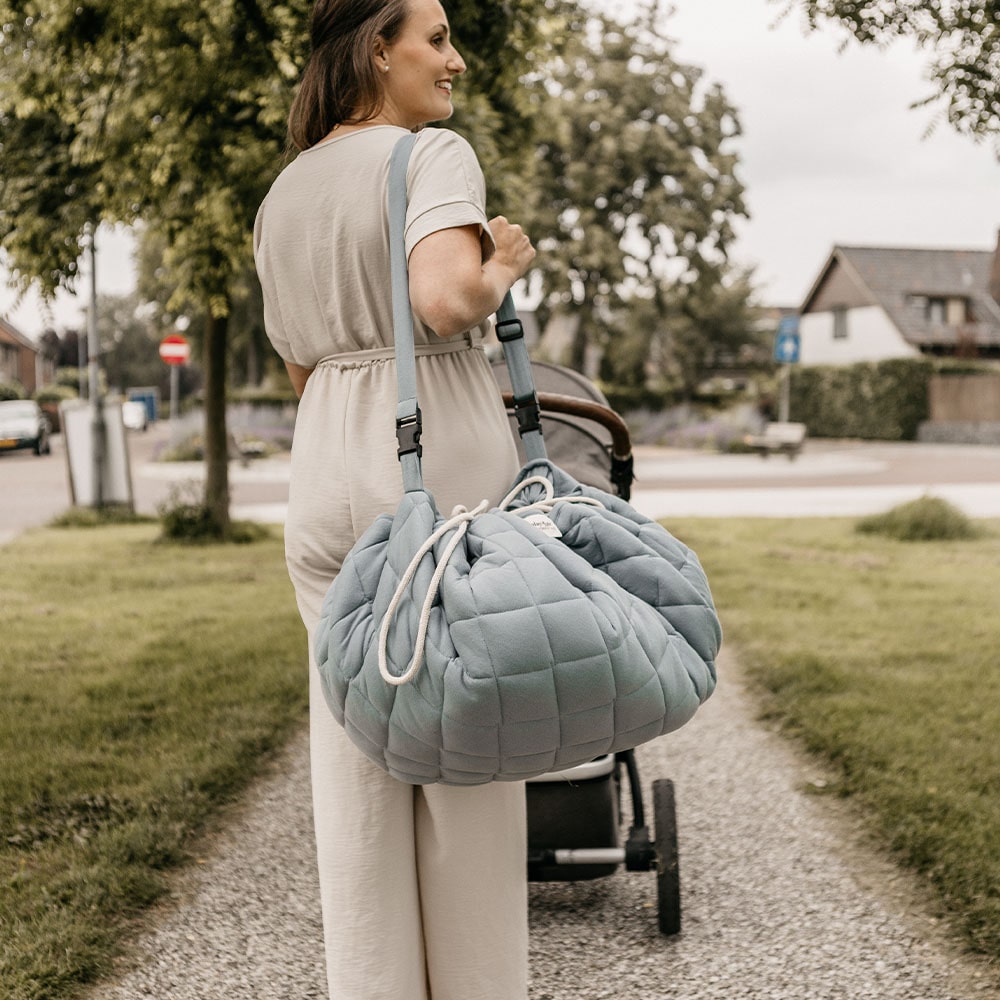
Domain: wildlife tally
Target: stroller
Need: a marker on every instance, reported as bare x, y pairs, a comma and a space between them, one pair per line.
574, 816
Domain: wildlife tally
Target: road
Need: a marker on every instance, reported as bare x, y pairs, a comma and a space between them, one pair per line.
830, 478
35, 489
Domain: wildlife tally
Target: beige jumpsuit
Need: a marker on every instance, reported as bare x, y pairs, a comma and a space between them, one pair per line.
423, 887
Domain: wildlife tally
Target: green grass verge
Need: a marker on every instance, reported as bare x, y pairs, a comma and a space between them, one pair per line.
883, 657
141, 685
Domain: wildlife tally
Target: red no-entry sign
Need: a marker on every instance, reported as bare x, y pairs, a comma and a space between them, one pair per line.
174, 349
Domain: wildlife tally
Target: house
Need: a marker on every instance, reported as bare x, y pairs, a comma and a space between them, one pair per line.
877, 303
21, 361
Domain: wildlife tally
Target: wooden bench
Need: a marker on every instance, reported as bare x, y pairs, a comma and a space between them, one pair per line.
785, 437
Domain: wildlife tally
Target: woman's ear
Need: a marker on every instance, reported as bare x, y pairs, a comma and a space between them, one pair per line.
381, 56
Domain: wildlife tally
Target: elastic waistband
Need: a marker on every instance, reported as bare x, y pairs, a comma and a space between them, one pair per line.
467, 342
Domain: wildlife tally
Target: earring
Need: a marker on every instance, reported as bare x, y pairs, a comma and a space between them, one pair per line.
385, 68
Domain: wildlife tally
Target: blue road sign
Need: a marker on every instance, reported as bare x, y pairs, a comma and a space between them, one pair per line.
787, 341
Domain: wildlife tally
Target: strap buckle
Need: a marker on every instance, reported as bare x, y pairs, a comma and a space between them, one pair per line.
408, 431
528, 413
516, 331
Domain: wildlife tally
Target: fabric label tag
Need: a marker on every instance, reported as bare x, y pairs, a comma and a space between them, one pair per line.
544, 523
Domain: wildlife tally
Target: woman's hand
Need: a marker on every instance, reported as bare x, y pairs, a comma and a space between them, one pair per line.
513, 248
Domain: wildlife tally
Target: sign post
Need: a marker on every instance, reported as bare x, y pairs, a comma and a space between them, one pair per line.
98, 430
175, 350
787, 344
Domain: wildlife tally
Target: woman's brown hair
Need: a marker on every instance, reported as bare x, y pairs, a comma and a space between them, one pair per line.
340, 84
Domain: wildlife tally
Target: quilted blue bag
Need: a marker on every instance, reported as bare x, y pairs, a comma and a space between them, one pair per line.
501, 643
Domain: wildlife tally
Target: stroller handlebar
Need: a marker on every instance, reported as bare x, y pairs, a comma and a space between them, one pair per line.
621, 442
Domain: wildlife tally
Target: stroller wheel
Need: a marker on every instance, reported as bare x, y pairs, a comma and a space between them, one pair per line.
668, 881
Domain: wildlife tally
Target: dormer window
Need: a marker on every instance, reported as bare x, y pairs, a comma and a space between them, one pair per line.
941, 310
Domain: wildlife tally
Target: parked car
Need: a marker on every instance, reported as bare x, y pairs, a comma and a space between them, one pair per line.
134, 415
23, 425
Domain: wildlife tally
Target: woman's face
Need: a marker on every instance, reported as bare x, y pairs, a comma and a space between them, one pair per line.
422, 64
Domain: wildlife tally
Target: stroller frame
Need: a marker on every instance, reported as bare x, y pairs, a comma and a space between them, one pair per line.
574, 816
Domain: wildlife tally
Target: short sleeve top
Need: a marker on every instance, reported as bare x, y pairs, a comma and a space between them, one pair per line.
321, 238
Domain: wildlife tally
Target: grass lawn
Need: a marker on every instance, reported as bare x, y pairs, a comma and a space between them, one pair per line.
141, 684
882, 657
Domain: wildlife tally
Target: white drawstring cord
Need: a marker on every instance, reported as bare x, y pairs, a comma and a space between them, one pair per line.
544, 506
459, 521
460, 518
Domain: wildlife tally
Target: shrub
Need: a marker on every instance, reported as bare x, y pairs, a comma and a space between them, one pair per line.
882, 401
624, 398
55, 393
186, 518
926, 519
94, 517
49, 397
191, 449
10, 390
71, 378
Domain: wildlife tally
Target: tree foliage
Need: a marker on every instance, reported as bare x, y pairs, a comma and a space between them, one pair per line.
174, 114
961, 36
637, 194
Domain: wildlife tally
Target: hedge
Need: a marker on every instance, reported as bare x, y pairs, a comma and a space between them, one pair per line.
880, 401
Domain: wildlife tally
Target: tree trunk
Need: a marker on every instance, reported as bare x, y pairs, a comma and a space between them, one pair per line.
216, 433
577, 359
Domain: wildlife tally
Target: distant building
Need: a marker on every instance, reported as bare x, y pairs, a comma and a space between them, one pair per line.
876, 303
21, 361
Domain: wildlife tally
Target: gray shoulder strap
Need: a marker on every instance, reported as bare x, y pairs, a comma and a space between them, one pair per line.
509, 331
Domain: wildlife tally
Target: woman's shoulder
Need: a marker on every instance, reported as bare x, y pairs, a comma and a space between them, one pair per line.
444, 142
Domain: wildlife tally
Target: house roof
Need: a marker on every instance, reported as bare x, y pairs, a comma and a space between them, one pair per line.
898, 278
11, 335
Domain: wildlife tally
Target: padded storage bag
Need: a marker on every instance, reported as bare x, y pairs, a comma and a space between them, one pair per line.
502, 643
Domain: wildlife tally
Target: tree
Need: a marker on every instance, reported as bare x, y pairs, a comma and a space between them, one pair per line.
962, 36
130, 338
637, 186
170, 114
174, 114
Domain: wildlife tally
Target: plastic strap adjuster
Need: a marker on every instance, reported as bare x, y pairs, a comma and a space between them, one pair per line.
408, 431
516, 331
529, 416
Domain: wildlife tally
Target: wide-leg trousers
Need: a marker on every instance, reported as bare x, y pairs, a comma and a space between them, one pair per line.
423, 888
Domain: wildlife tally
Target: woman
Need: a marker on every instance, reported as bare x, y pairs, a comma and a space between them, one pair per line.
423, 887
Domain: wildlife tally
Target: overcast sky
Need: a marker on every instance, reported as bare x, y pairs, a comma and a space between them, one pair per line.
831, 152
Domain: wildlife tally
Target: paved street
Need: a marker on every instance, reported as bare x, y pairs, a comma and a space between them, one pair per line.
34, 489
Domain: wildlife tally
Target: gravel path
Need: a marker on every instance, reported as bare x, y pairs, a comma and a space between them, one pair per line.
782, 900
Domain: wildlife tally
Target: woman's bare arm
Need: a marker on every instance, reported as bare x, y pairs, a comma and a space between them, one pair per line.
451, 289
299, 377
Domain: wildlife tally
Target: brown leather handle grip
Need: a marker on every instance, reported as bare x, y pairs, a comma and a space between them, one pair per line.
621, 442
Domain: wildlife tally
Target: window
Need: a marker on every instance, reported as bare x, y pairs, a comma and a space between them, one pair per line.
941, 310
935, 311
840, 322
957, 312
